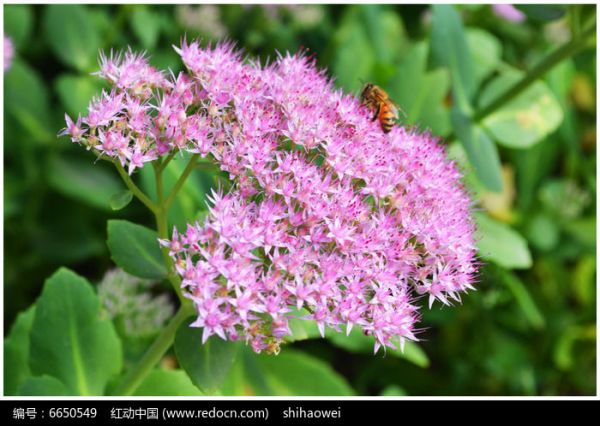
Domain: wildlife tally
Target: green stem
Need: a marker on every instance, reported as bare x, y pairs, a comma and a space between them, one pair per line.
153, 355
565, 51
134, 189
164, 164
188, 169
162, 343
161, 216
560, 54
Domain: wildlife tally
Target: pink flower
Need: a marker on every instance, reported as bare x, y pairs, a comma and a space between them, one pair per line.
9, 52
509, 12
327, 219
73, 129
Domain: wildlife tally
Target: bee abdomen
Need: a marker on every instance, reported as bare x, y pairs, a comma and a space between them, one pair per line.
387, 121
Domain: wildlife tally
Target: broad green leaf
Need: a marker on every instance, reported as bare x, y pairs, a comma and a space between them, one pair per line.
191, 196
16, 352
351, 42
69, 341
486, 51
419, 93
135, 249
72, 35
235, 381
121, 199
525, 120
519, 291
207, 364
542, 12
357, 342
385, 31
167, 383
146, 26
295, 373
18, 22
501, 244
75, 92
448, 47
480, 149
26, 99
82, 180
43, 386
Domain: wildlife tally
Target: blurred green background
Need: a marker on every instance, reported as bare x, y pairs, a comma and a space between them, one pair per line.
529, 329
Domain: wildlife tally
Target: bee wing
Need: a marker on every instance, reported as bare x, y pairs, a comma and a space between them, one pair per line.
397, 110
394, 109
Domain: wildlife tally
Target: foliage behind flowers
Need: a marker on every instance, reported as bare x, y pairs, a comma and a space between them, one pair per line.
529, 327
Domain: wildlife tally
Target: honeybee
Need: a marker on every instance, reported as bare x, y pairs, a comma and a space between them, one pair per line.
380, 104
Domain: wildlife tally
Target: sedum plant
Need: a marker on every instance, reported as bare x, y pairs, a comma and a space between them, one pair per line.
323, 212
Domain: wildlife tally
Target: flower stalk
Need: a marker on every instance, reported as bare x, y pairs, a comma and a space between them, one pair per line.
137, 192
153, 355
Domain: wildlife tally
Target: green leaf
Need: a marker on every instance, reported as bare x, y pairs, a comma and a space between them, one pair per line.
501, 244
449, 48
393, 390
542, 12
83, 181
26, 99
18, 22
419, 93
75, 92
121, 199
69, 341
72, 35
524, 299
357, 342
146, 26
301, 329
235, 383
294, 373
527, 119
167, 383
480, 149
385, 31
43, 386
486, 51
350, 42
207, 364
16, 352
135, 249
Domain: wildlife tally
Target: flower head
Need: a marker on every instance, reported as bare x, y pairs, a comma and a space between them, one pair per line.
351, 226
327, 218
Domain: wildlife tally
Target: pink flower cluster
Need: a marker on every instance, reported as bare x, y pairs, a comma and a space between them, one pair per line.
9, 52
327, 219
